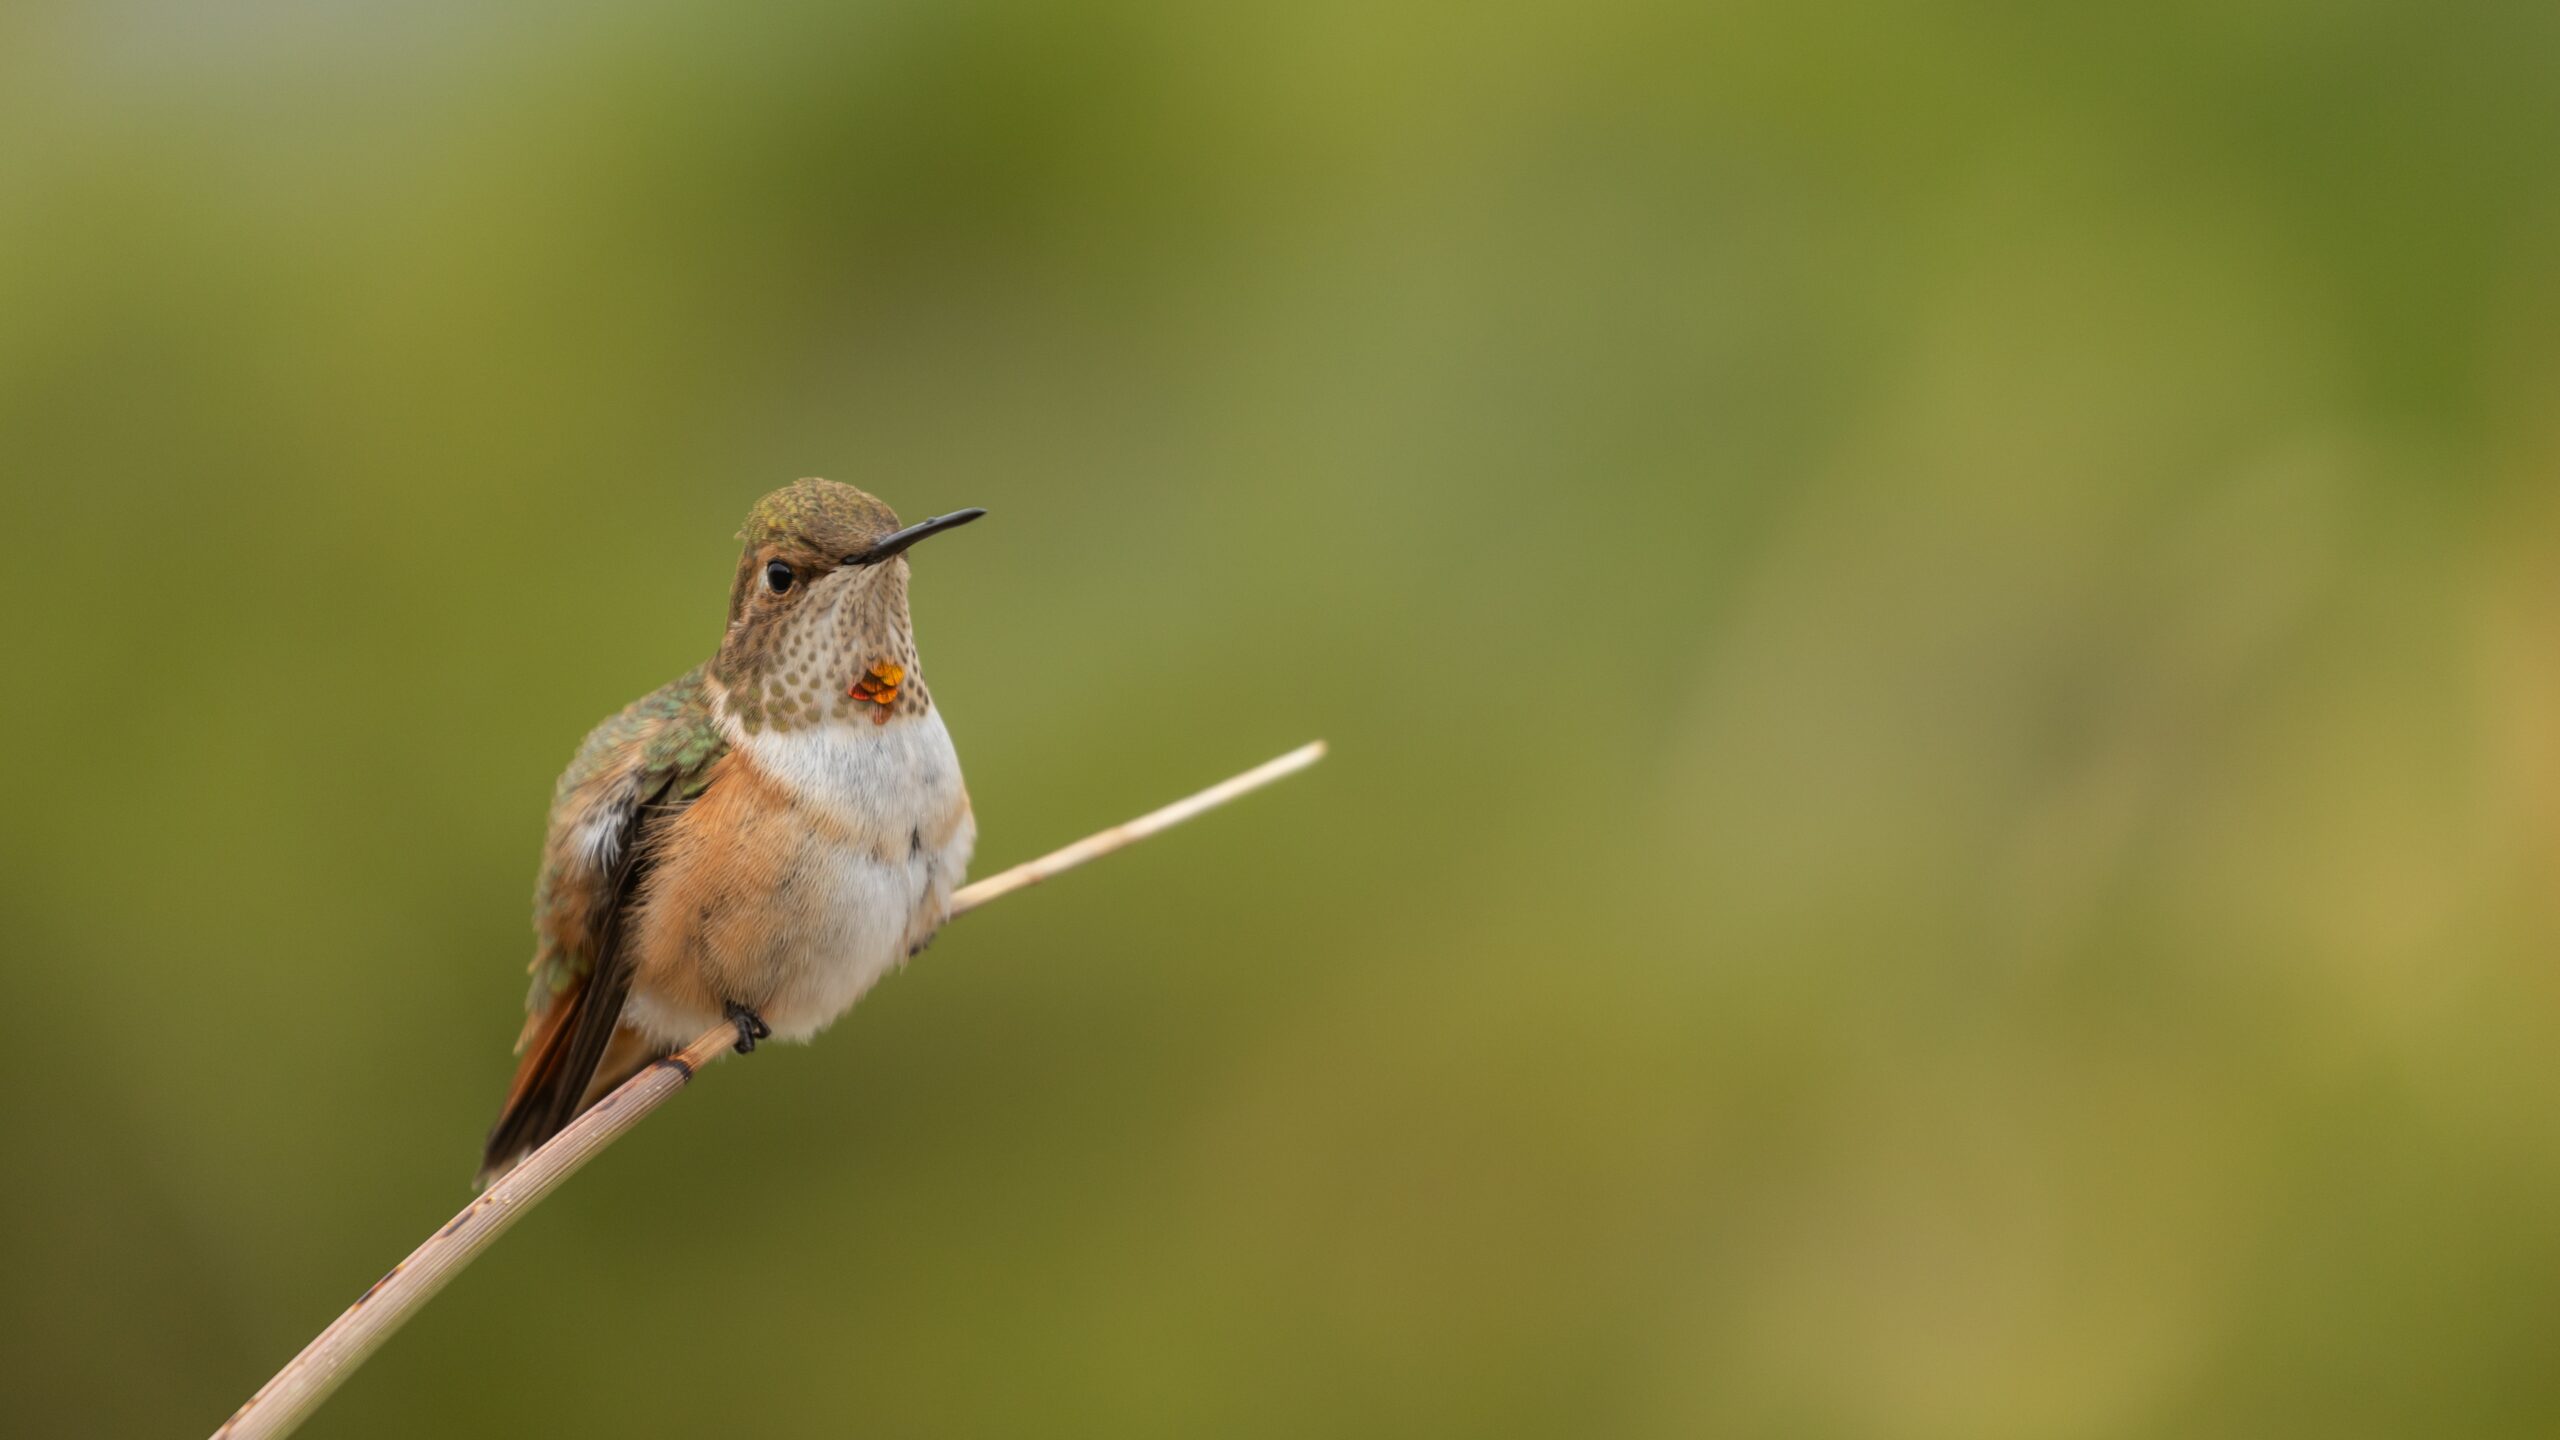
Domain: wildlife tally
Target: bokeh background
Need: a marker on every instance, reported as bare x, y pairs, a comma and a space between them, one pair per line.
1941, 627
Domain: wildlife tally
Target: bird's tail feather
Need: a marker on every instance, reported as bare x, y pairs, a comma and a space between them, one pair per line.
574, 1055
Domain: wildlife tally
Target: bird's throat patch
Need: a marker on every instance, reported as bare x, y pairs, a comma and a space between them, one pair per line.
879, 685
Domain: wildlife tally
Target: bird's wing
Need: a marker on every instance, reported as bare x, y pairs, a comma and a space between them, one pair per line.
634, 772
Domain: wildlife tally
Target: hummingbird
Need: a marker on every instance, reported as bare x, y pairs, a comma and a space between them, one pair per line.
760, 840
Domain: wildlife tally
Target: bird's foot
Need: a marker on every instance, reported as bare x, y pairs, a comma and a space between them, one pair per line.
751, 1026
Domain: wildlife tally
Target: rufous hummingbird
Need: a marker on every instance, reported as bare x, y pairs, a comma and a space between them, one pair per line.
758, 841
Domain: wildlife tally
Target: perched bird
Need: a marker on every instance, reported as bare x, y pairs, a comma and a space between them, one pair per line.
756, 842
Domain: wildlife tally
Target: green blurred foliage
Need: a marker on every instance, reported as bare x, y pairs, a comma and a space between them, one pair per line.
1941, 627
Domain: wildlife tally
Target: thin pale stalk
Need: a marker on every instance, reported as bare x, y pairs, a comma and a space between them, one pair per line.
284, 1402
1095, 846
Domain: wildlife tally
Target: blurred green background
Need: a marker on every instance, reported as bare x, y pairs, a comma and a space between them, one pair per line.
1941, 627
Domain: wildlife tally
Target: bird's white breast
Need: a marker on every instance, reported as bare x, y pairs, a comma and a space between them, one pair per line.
862, 774
879, 883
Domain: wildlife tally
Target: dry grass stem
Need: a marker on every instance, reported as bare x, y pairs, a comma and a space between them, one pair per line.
285, 1401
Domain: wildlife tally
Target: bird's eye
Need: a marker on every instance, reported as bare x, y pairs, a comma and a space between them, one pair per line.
778, 576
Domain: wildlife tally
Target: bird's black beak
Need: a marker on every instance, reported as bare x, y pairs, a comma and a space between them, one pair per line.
898, 543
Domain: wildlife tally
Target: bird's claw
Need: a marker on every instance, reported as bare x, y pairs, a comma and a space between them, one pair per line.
751, 1026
